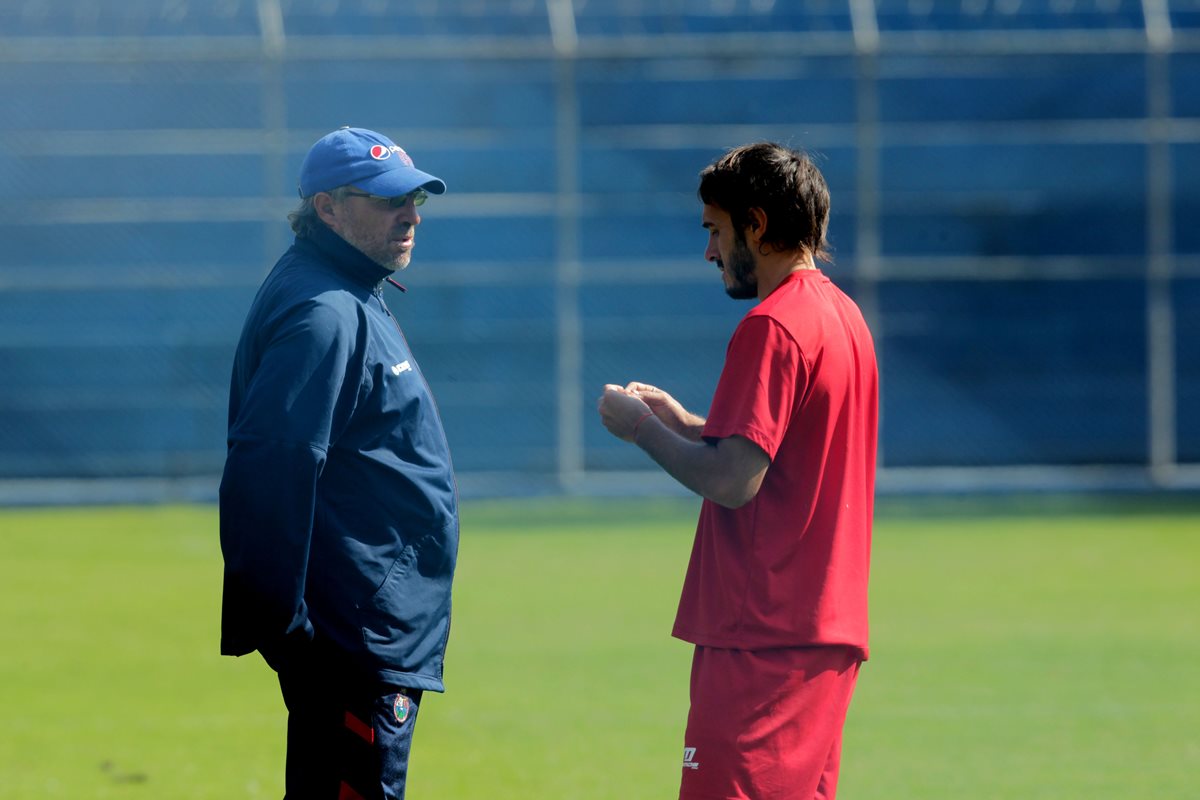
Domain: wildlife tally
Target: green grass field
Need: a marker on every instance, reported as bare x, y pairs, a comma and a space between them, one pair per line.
1049, 652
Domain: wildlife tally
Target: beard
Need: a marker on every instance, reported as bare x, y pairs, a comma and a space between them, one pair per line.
743, 283
378, 246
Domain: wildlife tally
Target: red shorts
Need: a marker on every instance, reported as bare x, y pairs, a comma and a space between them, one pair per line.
767, 724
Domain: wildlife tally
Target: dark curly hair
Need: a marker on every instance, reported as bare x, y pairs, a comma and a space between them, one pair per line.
784, 183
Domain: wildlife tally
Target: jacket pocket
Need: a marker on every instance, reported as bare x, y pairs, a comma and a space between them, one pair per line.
405, 623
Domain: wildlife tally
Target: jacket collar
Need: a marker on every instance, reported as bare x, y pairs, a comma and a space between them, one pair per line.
345, 257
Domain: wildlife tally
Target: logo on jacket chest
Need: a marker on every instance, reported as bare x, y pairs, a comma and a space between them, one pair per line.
403, 366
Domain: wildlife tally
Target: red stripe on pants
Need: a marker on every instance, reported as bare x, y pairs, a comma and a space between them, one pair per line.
360, 728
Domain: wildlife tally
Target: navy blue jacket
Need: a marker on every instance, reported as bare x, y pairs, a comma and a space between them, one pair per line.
339, 513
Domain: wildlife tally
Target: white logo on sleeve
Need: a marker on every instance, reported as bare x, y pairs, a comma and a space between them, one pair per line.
403, 366
689, 758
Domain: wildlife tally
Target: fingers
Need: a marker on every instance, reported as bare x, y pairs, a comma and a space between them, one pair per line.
617, 400
609, 390
619, 411
634, 388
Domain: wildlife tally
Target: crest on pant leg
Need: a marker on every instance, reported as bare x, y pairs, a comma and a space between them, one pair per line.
402, 708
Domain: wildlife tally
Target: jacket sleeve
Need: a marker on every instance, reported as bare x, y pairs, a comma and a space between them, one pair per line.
285, 411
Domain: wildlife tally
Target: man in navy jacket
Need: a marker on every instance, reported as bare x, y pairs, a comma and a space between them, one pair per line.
338, 507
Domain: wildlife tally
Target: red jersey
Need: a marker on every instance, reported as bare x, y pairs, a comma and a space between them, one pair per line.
789, 568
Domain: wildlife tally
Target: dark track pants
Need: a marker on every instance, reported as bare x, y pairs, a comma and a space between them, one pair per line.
346, 747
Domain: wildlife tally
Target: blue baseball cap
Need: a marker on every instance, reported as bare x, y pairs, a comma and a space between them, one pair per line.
366, 159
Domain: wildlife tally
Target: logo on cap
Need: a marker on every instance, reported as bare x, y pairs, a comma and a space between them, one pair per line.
381, 152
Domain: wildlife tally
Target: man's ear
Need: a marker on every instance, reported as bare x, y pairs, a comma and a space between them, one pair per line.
756, 225
324, 206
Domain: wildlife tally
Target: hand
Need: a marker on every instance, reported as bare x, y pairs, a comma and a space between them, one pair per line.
621, 410
669, 411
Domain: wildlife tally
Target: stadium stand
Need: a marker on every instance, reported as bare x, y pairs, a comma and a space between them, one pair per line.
1015, 187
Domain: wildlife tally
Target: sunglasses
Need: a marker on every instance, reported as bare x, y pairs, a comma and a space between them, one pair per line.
418, 198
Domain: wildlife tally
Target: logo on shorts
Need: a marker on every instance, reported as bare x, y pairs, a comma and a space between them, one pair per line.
402, 707
689, 758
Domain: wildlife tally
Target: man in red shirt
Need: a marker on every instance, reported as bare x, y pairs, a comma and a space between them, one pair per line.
775, 596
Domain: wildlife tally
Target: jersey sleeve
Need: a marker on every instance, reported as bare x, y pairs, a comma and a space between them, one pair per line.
763, 378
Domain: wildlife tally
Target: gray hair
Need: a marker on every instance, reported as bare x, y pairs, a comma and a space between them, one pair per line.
304, 219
